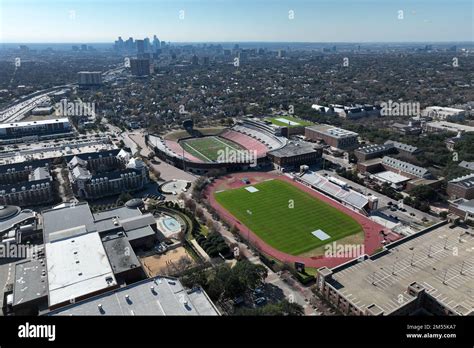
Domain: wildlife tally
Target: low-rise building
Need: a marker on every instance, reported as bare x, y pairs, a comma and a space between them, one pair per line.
404, 168
155, 296
444, 126
404, 149
34, 128
441, 113
367, 152
463, 208
106, 173
335, 137
295, 154
467, 165
25, 184
462, 187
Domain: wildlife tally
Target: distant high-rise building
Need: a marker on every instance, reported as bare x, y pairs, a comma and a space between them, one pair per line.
140, 66
119, 44
83, 47
89, 78
206, 60
156, 44
147, 45
195, 60
140, 46
129, 44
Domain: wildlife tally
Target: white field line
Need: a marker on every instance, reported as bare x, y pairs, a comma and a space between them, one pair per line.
228, 145
198, 152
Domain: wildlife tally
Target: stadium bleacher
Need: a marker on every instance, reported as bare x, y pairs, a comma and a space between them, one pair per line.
347, 196
246, 141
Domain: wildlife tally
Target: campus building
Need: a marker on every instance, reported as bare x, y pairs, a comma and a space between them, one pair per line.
106, 173
462, 187
26, 183
404, 168
335, 137
154, 296
295, 154
404, 150
367, 152
463, 208
84, 254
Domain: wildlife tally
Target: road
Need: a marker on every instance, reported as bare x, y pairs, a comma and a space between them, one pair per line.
18, 110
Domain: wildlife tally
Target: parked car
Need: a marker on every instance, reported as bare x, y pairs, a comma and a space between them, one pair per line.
261, 301
239, 300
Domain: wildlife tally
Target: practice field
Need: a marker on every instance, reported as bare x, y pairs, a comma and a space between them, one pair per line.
289, 121
285, 217
207, 148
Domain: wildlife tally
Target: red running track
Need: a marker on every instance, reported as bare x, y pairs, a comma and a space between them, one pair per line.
372, 237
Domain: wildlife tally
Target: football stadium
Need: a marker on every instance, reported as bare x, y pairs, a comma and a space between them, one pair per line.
289, 221
200, 150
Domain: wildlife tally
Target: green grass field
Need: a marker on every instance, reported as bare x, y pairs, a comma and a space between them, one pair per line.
207, 148
269, 215
300, 122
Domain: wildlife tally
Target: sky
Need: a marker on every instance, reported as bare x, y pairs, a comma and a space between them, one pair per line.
89, 21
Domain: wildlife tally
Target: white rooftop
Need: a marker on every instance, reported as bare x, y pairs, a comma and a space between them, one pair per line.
34, 123
391, 177
76, 267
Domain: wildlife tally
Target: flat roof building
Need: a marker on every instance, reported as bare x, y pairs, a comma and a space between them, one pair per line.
154, 296
296, 153
405, 168
34, 128
467, 165
404, 149
367, 152
420, 273
443, 126
333, 136
77, 266
461, 187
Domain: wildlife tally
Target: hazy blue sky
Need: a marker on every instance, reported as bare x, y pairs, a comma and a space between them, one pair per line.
236, 20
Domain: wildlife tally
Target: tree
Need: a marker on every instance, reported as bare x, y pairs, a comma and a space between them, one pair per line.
424, 193
283, 308
124, 197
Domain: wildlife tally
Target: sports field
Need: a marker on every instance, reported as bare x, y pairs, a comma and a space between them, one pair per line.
289, 121
207, 148
284, 217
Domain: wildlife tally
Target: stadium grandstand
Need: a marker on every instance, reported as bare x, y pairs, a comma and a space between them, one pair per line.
339, 191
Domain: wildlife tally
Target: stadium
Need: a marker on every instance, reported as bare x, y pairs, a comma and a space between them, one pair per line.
200, 150
290, 221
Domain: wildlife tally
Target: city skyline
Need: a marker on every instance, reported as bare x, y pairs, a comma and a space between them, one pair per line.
245, 21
